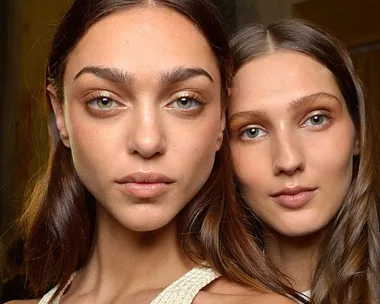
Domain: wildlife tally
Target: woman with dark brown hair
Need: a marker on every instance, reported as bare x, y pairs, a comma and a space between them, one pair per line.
303, 146
133, 197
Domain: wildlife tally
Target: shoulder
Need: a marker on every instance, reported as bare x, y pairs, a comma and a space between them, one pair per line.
226, 292
23, 302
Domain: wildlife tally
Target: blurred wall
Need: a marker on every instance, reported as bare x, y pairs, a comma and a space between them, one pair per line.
30, 24
263, 11
9, 94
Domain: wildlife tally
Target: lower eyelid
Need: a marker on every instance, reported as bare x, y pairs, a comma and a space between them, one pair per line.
241, 133
327, 119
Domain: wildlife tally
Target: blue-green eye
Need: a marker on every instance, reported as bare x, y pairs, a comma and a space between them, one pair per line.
316, 120
185, 103
103, 103
252, 133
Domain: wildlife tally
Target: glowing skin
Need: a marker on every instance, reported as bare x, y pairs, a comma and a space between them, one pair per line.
143, 118
293, 142
137, 100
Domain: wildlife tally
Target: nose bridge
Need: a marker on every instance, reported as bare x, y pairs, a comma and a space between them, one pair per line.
287, 152
147, 138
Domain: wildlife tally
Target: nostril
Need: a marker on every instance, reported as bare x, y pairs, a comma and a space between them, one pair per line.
148, 145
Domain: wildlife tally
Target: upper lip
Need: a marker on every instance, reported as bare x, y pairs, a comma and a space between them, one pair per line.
292, 190
145, 177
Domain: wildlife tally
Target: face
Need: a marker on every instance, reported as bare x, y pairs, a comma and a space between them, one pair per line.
292, 143
142, 114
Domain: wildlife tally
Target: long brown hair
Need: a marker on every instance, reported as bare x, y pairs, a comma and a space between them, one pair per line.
348, 270
59, 216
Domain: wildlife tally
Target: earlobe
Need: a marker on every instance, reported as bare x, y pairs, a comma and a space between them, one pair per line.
59, 115
221, 131
357, 147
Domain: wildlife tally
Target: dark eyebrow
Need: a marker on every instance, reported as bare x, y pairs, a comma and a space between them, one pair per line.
175, 75
180, 74
249, 115
310, 99
110, 74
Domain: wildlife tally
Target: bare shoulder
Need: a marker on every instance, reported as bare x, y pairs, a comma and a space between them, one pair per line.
23, 302
225, 292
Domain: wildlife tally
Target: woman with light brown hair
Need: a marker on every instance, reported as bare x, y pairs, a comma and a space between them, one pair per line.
134, 205
305, 154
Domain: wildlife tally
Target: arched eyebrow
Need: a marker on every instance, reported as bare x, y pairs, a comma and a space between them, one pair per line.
175, 75
180, 74
248, 115
109, 74
299, 103
308, 100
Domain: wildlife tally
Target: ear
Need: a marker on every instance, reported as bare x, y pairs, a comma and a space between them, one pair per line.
357, 146
221, 130
59, 115
229, 92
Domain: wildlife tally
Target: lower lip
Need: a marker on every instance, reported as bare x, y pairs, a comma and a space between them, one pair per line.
144, 190
295, 201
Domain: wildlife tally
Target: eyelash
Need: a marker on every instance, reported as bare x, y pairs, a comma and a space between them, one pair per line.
96, 97
250, 127
324, 123
319, 114
190, 96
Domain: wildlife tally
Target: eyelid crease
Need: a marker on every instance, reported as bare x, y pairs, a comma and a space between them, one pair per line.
316, 113
245, 129
190, 94
93, 95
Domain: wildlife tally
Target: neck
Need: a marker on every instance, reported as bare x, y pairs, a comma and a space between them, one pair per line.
129, 261
296, 257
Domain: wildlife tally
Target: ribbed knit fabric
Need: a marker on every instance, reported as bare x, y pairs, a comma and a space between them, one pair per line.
181, 291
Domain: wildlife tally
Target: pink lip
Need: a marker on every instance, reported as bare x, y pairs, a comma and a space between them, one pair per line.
145, 177
294, 197
145, 184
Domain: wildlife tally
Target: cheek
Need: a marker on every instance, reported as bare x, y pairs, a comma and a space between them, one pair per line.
196, 148
332, 157
93, 148
251, 168
335, 167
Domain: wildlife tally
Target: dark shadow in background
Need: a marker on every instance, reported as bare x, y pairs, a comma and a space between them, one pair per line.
3, 52
228, 10
3, 58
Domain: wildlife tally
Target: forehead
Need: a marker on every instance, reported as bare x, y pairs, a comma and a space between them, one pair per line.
144, 39
279, 78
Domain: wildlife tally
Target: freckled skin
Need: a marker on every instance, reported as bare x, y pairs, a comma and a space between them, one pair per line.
289, 150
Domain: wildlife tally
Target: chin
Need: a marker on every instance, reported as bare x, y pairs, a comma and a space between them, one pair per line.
149, 225
146, 221
299, 229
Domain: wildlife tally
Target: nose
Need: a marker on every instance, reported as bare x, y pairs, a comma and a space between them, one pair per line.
147, 137
287, 155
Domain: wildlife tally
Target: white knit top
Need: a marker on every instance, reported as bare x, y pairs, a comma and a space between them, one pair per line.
182, 291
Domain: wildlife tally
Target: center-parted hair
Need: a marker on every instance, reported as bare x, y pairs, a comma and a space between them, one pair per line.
59, 216
348, 270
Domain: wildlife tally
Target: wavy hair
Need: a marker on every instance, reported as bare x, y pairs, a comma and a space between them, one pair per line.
59, 215
348, 270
